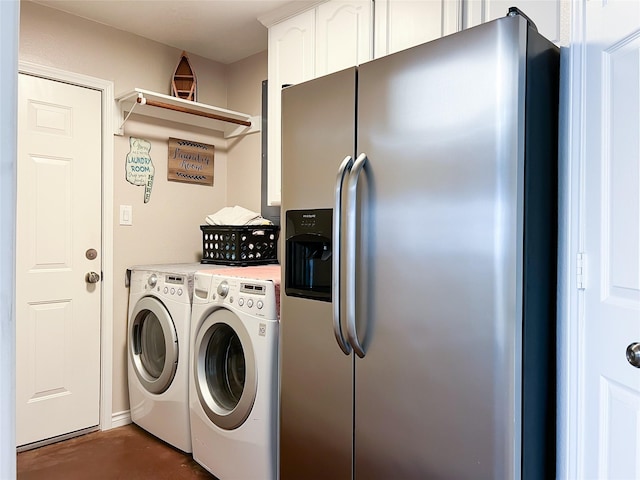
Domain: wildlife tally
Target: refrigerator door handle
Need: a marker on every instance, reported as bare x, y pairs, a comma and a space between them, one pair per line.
352, 197
343, 171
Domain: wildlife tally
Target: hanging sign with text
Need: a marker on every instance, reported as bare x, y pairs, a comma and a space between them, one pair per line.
190, 162
139, 168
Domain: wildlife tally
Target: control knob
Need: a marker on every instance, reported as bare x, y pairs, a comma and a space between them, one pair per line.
153, 280
223, 289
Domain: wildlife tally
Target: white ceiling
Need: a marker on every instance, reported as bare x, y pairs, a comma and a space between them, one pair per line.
224, 31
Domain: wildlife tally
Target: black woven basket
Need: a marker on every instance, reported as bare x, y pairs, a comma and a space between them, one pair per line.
240, 244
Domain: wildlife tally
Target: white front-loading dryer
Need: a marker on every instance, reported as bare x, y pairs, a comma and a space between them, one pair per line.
233, 382
158, 350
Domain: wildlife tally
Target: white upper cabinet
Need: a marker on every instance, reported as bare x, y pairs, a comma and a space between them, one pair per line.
292, 49
400, 24
332, 36
291, 61
546, 14
344, 35
337, 34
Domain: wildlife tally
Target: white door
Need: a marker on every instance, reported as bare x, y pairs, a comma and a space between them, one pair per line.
611, 233
58, 222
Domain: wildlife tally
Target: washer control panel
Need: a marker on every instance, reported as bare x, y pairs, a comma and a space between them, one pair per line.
170, 285
256, 297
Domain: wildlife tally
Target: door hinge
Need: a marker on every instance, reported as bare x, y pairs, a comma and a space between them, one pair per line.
580, 271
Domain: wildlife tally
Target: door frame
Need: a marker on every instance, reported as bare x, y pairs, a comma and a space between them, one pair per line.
9, 41
105, 87
571, 309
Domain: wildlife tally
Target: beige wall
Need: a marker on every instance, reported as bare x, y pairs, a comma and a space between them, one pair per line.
245, 95
166, 229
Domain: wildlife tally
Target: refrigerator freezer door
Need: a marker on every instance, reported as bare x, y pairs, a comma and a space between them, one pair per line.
439, 302
316, 383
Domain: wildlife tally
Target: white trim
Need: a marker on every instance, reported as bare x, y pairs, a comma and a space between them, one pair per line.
120, 419
570, 301
286, 11
9, 41
106, 331
451, 17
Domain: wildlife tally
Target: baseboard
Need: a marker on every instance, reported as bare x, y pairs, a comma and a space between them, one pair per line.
120, 419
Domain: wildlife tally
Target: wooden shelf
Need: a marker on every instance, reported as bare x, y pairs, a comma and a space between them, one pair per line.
178, 110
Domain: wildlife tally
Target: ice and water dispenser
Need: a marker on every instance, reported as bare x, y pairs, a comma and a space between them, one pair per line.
308, 253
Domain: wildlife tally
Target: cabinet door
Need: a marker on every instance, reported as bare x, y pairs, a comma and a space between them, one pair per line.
546, 14
401, 24
291, 61
344, 35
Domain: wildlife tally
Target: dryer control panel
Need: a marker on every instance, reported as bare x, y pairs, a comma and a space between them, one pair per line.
255, 297
253, 288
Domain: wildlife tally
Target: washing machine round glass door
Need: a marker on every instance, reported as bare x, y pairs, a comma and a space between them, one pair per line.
153, 345
225, 369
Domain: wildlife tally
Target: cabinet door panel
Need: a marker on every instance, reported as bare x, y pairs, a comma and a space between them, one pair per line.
402, 24
343, 36
291, 61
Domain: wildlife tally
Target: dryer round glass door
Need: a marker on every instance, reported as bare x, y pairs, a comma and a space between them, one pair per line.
153, 345
225, 369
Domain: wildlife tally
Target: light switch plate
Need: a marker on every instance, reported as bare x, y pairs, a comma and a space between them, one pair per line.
126, 215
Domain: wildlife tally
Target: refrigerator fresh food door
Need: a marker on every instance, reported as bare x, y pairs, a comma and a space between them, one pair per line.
439, 303
316, 376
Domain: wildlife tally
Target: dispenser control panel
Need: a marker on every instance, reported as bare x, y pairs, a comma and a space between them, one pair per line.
309, 253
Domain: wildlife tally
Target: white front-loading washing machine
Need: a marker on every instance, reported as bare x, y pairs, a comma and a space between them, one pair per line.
233, 381
158, 350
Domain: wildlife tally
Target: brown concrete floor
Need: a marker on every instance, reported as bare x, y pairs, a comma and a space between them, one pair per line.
127, 453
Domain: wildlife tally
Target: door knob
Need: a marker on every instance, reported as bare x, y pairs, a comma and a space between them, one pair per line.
92, 277
633, 354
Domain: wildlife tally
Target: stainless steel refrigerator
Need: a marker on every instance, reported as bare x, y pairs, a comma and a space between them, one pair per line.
418, 315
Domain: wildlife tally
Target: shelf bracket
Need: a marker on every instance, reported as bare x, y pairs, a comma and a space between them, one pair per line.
141, 100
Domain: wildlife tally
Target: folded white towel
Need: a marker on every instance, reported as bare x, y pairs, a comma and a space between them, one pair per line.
236, 216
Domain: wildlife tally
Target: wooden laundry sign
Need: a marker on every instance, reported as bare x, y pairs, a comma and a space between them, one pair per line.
190, 162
